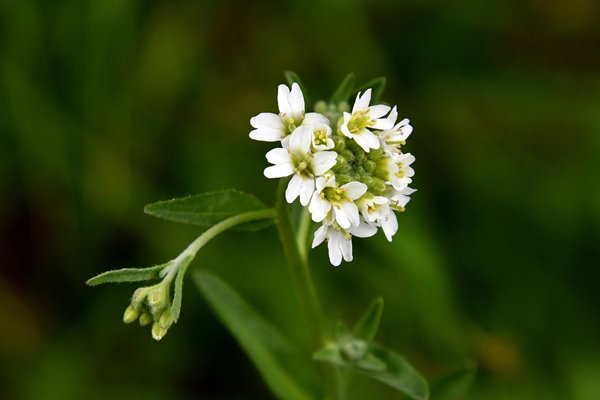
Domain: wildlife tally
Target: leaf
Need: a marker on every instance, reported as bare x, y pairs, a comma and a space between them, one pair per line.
127, 275
343, 92
368, 324
454, 385
283, 370
381, 364
377, 85
291, 77
209, 209
178, 288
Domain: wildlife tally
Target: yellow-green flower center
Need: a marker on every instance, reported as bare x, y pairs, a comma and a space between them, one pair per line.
359, 121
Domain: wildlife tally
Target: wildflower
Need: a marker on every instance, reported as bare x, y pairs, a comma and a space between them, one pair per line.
391, 139
341, 199
363, 119
272, 127
296, 158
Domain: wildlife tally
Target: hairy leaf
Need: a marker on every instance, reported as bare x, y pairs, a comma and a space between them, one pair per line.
127, 275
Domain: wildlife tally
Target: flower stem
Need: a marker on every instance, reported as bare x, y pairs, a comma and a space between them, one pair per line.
295, 250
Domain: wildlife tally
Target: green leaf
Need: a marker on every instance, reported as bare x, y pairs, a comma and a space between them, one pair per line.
209, 209
127, 275
368, 324
381, 364
178, 287
284, 371
343, 92
378, 86
454, 385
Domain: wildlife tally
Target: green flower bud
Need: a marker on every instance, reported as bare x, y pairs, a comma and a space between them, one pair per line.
369, 166
158, 332
377, 186
354, 350
321, 106
343, 107
145, 319
166, 319
130, 315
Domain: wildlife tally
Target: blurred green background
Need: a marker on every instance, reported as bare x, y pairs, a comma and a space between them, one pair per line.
108, 105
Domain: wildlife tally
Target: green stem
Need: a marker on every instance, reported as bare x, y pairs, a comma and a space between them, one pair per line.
186, 257
303, 229
295, 250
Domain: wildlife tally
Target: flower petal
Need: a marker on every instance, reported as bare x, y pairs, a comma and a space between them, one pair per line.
355, 190
266, 135
307, 188
341, 218
279, 171
283, 93
318, 208
323, 162
278, 156
362, 102
296, 101
351, 212
390, 225
366, 140
267, 120
379, 111
293, 189
314, 119
363, 230
320, 235
300, 140
335, 251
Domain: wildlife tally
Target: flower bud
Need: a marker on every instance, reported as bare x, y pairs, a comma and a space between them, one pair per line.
321, 106
130, 315
158, 332
145, 319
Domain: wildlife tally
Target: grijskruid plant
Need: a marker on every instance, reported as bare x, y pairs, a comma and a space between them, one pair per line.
345, 164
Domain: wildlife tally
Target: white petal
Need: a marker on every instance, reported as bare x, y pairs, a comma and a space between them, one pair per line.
366, 140
393, 115
278, 156
320, 184
362, 102
363, 230
318, 208
335, 253
279, 171
346, 247
266, 135
296, 101
355, 190
390, 225
307, 188
314, 119
383, 124
283, 93
379, 111
293, 189
323, 162
267, 120
341, 218
300, 140
351, 212
320, 235
344, 127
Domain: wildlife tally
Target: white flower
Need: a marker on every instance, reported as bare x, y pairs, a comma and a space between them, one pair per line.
403, 177
321, 138
358, 125
392, 138
273, 127
400, 198
341, 199
338, 243
296, 159
377, 210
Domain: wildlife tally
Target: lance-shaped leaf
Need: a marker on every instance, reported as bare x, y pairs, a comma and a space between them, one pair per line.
127, 275
209, 209
376, 362
343, 92
377, 85
454, 385
368, 325
283, 369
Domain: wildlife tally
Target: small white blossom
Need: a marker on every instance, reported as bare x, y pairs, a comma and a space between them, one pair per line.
297, 159
339, 244
328, 196
321, 137
400, 198
272, 127
392, 138
405, 172
364, 118
376, 210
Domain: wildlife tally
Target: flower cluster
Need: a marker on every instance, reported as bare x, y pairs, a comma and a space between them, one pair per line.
347, 167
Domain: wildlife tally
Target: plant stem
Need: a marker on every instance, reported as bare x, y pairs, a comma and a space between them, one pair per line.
295, 251
186, 256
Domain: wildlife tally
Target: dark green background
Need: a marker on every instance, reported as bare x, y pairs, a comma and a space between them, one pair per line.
108, 105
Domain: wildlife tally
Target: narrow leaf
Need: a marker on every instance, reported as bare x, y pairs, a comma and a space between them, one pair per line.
127, 275
383, 365
454, 385
343, 92
368, 325
209, 209
283, 370
377, 85
178, 288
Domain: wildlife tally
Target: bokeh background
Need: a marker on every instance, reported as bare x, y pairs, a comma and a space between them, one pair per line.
106, 106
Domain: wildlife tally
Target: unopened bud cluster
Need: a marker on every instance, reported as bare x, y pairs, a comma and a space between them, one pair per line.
151, 305
347, 167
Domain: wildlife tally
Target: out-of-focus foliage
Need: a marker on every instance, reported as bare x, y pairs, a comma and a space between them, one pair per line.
108, 105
